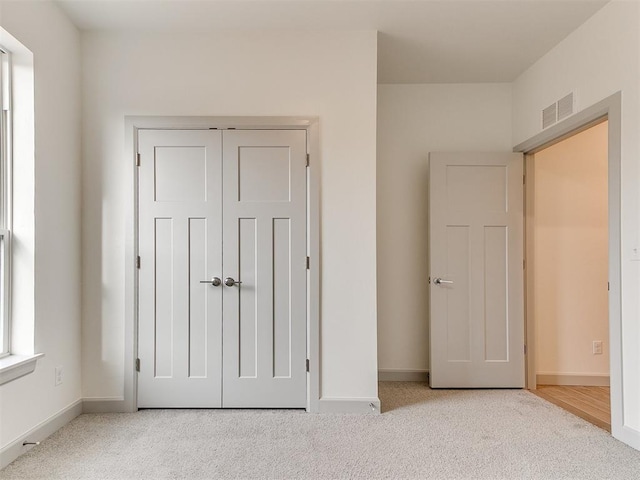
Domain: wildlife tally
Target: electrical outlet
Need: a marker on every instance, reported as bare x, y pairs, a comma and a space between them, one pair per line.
597, 347
59, 375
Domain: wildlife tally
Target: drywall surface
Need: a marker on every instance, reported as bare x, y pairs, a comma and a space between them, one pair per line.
331, 75
52, 236
595, 61
571, 255
414, 120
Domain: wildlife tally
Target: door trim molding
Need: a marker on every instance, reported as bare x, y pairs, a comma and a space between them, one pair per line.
608, 109
135, 123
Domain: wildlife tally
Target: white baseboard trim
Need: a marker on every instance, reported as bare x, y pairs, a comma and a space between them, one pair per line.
627, 435
103, 405
114, 405
349, 405
579, 379
38, 433
41, 431
402, 375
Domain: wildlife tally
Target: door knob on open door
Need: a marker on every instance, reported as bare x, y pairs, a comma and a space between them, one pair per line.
215, 281
230, 282
439, 281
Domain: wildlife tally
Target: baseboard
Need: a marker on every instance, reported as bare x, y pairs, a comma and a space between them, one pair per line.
38, 433
326, 405
627, 435
585, 380
349, 405
402, 375
103, 405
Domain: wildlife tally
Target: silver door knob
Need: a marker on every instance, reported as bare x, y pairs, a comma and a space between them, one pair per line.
439, 281
230, 282
215, 281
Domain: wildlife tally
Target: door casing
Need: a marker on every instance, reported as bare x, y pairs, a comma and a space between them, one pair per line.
607, 109
135, 123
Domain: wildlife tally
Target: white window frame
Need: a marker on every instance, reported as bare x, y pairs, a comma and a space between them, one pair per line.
5, 202
17, 334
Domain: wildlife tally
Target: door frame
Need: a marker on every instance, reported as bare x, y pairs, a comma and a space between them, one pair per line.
608, 109
135, 123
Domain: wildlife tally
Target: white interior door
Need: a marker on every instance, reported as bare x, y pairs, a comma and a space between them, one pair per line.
476, 270
237, 214
180, 245
264, 359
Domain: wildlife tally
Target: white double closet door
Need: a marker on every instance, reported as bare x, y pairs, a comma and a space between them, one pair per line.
222, 204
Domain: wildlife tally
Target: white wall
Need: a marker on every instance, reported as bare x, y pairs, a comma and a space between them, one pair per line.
55, 44
570, 260
414, 120
331, 75
598, 59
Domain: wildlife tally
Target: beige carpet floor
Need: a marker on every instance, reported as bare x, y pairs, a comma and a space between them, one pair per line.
421, 434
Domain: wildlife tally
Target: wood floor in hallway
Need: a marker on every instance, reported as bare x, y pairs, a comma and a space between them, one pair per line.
591, 403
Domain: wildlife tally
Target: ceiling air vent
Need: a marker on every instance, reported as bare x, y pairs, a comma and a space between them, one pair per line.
565, 107
549, 116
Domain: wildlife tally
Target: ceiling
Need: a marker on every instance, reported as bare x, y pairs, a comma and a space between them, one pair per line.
420, 41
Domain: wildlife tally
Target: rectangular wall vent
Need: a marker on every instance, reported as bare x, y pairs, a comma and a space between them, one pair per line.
565, 107
559, 110
549, 115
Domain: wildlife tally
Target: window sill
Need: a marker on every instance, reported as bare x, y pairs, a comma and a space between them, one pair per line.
16, 366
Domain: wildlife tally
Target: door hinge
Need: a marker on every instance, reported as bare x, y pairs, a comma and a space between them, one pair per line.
137, 159
523, 179
307, 159
608, 287
307, 364
137, 364
308, 263
524, 264
138, 261
525, 349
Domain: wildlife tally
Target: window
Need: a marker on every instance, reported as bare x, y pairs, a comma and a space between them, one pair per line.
5, 196
17, 193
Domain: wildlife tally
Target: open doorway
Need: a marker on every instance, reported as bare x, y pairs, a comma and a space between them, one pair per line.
567, 273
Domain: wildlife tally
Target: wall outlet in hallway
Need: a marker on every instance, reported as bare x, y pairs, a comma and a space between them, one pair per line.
597, 347
59, 375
